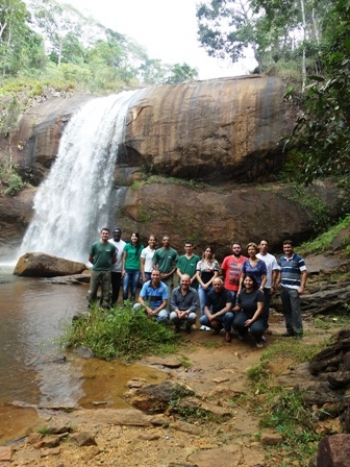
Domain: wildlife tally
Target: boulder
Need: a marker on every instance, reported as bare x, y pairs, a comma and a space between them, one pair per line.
334, 451
43, 265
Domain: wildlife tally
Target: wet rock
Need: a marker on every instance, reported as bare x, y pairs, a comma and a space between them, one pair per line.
334, 451
135, 383
84, 352
84, 439
43, 265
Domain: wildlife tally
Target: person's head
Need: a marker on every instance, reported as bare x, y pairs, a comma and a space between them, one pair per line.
250, 282
117, 233
263, 247
189, 247
152, 241
104, 235
185, 282
236, 249
155, 276
288, 247
135, 238
218, 284
166, 241
208, 253
252, 249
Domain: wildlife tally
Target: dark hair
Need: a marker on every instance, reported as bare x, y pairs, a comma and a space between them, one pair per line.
288, 242
117, 229
188, 242
105, 228
255, 284
212, 252
236, 243
137, 235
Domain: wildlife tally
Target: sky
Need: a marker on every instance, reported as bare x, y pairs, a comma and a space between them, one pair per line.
167, 29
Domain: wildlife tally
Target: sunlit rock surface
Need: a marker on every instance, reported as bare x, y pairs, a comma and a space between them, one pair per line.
43, 265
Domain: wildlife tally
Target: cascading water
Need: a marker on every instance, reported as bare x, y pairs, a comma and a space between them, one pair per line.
75, 201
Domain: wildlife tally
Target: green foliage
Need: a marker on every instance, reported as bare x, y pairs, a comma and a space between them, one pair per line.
121, 333
10, 181
324, 241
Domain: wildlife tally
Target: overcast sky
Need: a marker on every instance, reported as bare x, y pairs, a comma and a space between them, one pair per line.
166, 28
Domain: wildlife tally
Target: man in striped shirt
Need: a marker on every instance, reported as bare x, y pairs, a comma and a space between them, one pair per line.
293, 277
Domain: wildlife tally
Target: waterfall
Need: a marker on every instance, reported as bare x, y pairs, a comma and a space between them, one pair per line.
76, 199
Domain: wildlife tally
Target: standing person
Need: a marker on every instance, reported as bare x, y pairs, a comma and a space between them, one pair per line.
272, 269
102, 255
131, 266
165, 259
254, 266
117, 268
147, 258
187, 263
232, 269
292, 280
217, 311
153, 298
250, 304
184, 303
207, 269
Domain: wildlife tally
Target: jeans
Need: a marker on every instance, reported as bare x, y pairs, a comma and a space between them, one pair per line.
161, 317
203, 297
130, 282
291, 310
116, 278
224, 321
266, 310
256, 329
169, 282
103, 279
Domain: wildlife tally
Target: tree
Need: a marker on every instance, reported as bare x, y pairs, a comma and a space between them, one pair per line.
181, 73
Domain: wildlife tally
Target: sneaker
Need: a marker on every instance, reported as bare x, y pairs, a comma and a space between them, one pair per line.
206, 328
259, 345
263, 340
202, 328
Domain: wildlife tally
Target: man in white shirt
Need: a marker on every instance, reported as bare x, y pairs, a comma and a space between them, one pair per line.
272, 268
116, 271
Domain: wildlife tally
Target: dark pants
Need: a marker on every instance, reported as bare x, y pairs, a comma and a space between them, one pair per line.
116, 278
266, 310
291, 310
224, 321
256, 329
103, 279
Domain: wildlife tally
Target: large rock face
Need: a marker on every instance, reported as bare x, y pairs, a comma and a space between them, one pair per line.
42, 265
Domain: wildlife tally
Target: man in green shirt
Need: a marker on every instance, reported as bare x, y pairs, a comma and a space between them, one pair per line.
102, 256
187, 264
164, 260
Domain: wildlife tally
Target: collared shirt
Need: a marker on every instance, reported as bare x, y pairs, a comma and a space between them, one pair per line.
154, 295
181, 302
291, 269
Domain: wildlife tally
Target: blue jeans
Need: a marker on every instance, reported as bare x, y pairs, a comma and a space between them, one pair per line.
130, 282
224, 321
203, 297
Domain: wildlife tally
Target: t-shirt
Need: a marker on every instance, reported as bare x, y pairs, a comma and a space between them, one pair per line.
154, 295
256, 271
165, 259
188, 266
217, 301
207, 269
132, 260
102, 254
147, 254
233, 271
271, 265
118, 265
248, 301
291, 270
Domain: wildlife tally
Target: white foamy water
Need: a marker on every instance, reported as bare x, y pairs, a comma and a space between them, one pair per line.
75, 201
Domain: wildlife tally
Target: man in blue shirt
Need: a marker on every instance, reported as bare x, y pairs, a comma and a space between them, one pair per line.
292, 281
153, 298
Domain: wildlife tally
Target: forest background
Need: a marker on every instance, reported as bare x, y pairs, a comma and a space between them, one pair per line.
48, 47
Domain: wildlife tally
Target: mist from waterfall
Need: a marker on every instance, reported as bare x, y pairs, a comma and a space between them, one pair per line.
76, 199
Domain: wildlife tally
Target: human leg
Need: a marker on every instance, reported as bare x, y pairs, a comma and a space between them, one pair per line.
296, 312
126, 284
266, 310
135, 276
93, 288
287, 310
162, 316
105, 288
116, 279
169, 285
202, 298
257, 329
239, 323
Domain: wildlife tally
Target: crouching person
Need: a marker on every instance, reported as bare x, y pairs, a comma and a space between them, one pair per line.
248, 316
217, 310
153, 298
184, 304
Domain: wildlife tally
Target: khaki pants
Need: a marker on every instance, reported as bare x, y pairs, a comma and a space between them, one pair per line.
103, 279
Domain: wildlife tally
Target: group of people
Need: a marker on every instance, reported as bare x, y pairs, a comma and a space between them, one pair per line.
234, 296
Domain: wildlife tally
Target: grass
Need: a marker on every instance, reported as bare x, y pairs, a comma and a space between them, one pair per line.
282, 409
121, 333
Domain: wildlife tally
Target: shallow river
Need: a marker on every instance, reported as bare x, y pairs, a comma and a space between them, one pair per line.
33, 315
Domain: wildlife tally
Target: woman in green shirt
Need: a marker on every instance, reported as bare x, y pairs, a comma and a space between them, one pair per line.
131, 266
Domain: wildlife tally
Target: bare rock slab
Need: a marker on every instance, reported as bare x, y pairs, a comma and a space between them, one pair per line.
43, 265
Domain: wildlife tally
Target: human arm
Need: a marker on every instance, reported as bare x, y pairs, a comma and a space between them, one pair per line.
91, 258
302, 282
275, 275
263, 281
227, 307
142, 267
123, 262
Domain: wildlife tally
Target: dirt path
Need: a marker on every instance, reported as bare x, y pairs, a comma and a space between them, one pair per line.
215, 370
